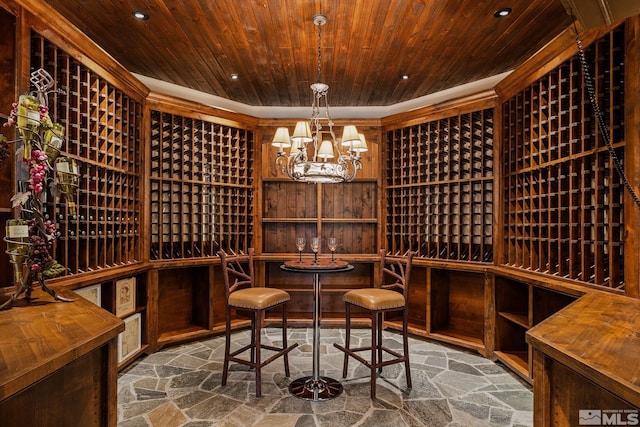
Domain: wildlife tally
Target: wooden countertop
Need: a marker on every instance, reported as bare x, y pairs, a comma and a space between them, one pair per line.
40, 337
597, 336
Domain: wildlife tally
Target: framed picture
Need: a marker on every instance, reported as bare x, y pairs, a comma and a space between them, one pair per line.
125, 297
129, 341
91, 293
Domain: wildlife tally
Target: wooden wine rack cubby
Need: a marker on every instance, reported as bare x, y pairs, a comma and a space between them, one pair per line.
102, 128
439, 188
563, 198
201, 187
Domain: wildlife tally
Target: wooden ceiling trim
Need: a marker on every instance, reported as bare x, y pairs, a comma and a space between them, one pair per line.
555, 53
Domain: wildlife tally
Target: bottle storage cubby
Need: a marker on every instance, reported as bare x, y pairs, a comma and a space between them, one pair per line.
183, 302
439, 188
457, 301
512, 322
102, 128
201, 187
563, 198
518, 307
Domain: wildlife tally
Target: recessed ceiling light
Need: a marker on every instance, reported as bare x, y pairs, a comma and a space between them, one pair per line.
140, 15
234, 77
405, 77
501, 13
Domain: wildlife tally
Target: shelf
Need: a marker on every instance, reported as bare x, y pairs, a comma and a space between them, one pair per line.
183, 301
521, 319
518, 361
462, 336
296, 220
345, 211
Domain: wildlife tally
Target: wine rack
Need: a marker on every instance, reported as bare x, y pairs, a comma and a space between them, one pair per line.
440, 188
102, 133
563, 199
201, 187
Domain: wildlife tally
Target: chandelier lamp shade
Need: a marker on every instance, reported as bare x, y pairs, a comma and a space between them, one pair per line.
314, 154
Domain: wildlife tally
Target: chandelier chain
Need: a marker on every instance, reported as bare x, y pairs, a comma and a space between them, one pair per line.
319, 52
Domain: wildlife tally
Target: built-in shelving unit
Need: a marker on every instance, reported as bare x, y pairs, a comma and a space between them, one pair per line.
345, 211
102, 128
201, 187
563, 198
7, 173
439, 188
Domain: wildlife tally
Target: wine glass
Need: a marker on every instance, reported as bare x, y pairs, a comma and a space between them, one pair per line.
315, 245
300, 243
333, 244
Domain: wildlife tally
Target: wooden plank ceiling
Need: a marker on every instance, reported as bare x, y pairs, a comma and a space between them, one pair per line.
272, 44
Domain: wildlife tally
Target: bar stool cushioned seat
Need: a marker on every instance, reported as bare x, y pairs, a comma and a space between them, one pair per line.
390, 295
242, 294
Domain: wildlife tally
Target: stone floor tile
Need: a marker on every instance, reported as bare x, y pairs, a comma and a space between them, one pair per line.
181, 387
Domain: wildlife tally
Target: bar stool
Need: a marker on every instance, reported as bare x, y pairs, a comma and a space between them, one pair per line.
390, 295
242, 294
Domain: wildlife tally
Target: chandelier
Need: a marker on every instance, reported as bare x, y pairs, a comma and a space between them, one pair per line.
315, 154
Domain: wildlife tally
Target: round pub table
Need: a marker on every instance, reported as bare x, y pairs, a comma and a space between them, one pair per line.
315, 387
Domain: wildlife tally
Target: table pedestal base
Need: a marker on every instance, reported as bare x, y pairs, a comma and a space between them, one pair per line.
320, 388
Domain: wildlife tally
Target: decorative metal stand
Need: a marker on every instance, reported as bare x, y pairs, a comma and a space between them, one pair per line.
29, 242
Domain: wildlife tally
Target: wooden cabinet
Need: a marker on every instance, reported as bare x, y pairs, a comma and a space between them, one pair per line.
201, 200
182, 304
511, 323
59, 368
587, 363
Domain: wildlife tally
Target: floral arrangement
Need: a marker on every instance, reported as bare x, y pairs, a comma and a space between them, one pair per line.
41, 142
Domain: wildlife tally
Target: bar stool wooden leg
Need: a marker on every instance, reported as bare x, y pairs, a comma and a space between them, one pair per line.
405, 339
378, 314
347, 339
257, 346
284, 339
374, 350
225, 368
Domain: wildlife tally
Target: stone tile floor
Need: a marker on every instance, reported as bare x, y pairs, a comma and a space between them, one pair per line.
180, 387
